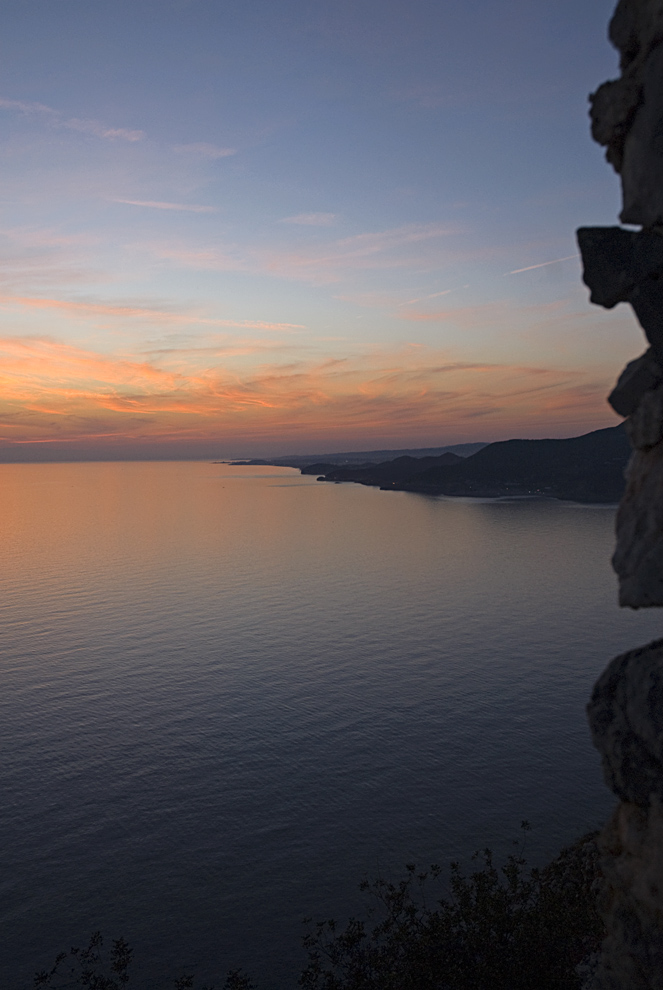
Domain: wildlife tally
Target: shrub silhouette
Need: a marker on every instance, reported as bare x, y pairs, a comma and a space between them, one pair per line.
506, 928
514, 928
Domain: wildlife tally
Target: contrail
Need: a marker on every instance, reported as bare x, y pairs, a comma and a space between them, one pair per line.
542, 265
433, 295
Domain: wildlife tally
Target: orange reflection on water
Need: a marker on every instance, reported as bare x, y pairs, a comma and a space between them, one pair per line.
173, 530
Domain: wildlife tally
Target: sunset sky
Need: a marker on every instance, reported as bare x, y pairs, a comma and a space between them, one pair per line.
246, 227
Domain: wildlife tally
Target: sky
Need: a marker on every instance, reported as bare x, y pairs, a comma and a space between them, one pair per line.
257, 227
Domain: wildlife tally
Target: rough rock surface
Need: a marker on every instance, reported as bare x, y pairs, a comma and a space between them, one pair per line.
626, 266
645, 426
638, 557
626, 708
617, 260
631, 847
642, 165
626, 719
627, 113
637, 378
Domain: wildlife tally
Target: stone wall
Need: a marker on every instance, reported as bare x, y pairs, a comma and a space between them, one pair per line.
626, 708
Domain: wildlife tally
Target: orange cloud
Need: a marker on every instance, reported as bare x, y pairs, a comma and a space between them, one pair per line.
54, 391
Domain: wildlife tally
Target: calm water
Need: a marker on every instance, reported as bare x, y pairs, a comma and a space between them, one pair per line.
227, 694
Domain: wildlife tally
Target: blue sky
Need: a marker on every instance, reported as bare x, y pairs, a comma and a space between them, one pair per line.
244, 228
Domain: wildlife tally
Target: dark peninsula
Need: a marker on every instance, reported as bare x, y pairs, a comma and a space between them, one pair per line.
589, 468
356, 458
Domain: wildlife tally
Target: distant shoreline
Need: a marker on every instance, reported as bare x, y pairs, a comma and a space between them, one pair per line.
585, 469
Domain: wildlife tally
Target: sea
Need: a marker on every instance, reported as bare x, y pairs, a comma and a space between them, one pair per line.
229, 694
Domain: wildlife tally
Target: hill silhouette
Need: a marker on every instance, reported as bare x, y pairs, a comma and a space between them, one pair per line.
589, 468
356, 458
387, 472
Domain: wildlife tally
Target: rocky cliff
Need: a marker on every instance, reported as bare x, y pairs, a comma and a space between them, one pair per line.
626, 708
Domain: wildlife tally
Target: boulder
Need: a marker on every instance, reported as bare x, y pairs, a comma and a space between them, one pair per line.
625, 716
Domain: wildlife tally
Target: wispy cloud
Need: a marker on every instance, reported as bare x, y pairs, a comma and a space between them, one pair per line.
312, 219
408, 246
204, 150
156, 316
36, 260
99, 130
375, 250
159, 205
55, 118
230, 258
50, 237
52, 390
464, 316
543, 264
433, 295
27, 108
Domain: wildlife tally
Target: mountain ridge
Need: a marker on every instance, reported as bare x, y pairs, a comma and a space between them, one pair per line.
588, 468
364, 457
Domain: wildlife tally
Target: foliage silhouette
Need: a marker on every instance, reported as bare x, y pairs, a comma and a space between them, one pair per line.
513, 928
506, 928
89, 969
